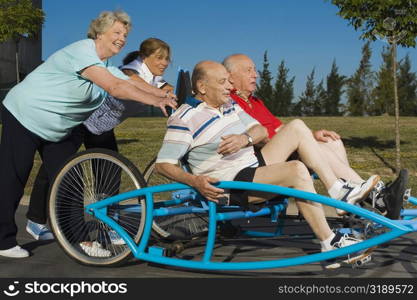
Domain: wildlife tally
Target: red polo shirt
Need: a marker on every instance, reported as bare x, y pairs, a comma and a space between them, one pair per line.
259, 112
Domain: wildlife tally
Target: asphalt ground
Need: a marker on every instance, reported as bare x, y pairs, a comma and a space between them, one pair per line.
396, 259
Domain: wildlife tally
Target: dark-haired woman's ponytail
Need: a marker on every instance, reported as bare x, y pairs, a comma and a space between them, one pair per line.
130, 57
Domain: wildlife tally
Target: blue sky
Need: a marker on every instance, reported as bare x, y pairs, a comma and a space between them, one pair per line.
305, 33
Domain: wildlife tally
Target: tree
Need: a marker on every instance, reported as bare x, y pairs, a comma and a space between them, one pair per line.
264, 89
308, 97
283, 93
19, 19
295, 109
395, 21
334, 91
407, 88
359, 85
383, 94
320, 99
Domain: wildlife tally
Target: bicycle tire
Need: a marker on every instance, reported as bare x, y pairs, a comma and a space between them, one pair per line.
85, 178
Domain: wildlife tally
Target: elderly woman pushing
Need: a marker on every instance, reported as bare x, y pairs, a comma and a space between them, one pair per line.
40, 113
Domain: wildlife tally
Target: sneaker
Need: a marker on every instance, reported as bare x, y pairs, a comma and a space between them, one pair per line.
353, 193
94, 249
393, 195
15, 252
407, 195
39, 231
375, 199
115, 238
354, 259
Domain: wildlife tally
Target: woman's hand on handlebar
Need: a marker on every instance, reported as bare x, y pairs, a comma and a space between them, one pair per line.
164, 102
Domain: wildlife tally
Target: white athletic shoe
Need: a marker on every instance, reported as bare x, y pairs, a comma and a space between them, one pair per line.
353, 193
95, 249
354, 259
15, 252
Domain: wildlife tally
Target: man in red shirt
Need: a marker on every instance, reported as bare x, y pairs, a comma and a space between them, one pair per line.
243, 76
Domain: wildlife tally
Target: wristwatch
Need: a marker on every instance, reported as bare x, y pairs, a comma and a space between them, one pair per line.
250, 139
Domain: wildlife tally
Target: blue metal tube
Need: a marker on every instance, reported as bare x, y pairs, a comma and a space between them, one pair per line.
247, 214
398, 227
211, 238
206, 264
412, 200
256, 187
314, 197
148, 225
279, 263
409, 212
178, 211
410, 223
120, 231
169, 202
253, 233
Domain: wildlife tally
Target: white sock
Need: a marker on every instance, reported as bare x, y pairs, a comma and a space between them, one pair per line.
334, 191
380, 202
325, 245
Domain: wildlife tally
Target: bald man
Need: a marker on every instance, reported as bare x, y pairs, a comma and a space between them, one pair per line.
217, 137
243, 74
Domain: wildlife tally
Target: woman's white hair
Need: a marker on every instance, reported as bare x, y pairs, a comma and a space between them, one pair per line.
105, 20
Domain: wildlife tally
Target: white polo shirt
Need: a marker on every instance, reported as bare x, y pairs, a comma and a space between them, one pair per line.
196, 131
143, 72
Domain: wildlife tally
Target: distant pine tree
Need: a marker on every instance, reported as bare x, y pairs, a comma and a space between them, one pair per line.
407, 88
383, 94
320, 99
295, 109
264, 89
305, 106
335, 83
283, 93
359, 86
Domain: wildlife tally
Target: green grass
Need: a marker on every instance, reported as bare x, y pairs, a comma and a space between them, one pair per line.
369, 143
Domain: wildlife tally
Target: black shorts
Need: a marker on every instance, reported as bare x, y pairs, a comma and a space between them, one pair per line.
240, 197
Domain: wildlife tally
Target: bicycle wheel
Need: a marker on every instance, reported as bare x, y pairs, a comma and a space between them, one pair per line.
86, 178
175, 227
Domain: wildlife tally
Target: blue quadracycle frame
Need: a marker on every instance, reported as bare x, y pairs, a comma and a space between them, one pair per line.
217, 213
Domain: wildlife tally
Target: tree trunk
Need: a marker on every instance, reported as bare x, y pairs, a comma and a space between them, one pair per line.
17, 61
397, 110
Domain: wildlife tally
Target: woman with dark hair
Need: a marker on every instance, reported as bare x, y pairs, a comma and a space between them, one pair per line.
145, 67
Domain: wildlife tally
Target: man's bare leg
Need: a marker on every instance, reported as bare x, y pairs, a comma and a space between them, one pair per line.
295, 174
338, 148
335, 154
296, 136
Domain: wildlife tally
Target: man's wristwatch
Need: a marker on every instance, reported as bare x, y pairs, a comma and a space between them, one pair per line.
250, 139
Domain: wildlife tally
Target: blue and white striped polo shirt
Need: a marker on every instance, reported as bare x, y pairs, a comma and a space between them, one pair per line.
196, 131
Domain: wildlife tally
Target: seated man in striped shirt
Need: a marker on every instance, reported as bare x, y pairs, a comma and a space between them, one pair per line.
216, 137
